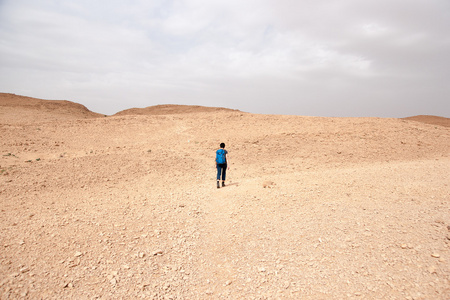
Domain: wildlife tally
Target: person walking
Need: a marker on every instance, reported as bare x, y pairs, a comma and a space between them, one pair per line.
221, 164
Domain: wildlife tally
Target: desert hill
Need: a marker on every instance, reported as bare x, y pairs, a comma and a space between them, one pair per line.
19, 109
169, 109
314, 208
434, 120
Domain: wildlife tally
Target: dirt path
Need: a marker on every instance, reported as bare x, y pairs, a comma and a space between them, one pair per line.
320, 235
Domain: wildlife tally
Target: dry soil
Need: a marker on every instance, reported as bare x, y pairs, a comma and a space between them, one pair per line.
126, 206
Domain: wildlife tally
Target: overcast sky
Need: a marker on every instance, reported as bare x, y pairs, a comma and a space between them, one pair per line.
382, 58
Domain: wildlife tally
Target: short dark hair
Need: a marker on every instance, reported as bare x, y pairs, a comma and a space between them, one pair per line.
222, 145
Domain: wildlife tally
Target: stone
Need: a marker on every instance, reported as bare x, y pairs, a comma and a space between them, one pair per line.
268, 184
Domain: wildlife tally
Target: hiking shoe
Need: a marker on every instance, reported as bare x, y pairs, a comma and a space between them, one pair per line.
223, 184
218, 185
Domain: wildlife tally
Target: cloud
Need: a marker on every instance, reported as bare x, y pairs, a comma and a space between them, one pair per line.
301, 57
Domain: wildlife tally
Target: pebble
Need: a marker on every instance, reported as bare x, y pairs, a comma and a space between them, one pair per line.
157, 252
407, 246
78, 254
268, 184
435, 255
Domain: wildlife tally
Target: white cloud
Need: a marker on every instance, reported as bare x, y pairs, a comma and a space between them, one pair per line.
374, 29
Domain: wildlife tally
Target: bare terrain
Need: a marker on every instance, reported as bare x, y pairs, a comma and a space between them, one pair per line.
126, 206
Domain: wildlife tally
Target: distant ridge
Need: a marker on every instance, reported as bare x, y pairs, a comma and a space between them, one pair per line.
22, 109
433, 120
169, 109
17, 109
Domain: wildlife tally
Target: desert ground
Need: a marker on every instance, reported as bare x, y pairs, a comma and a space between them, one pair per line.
126, 206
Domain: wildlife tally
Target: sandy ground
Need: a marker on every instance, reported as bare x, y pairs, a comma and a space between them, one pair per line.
126, 206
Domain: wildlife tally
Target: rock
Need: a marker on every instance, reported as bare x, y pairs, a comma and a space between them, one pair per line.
268, 184
78, 254
228, 282
158, 252
435, 255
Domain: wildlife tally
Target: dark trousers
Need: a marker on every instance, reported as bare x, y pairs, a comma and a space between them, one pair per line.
221, 170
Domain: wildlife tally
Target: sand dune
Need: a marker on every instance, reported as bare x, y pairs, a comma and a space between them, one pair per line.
126, 206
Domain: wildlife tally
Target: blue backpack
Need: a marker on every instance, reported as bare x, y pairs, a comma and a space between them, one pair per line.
220, 157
